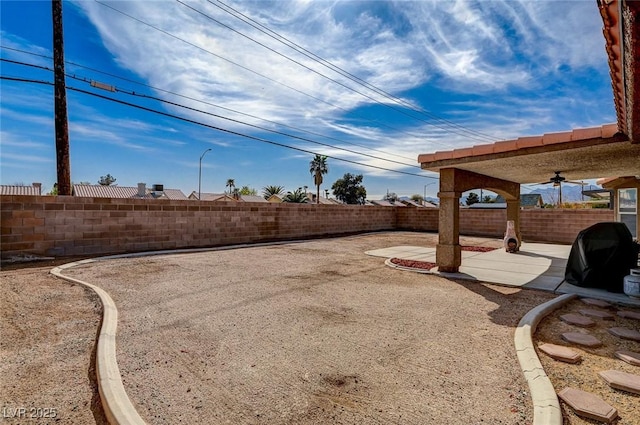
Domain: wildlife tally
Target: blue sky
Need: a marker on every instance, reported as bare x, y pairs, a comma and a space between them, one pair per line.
398, 79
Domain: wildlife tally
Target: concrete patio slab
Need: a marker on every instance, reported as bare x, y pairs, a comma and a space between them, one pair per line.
535, 266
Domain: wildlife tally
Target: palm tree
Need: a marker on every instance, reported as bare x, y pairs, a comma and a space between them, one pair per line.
318, 167
269, 191
231, 184
297, 197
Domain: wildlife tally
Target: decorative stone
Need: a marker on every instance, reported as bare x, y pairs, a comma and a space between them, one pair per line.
561, 353
596, 303
629, 314
625, 333
581, 339
596, 313
588, 405
577, 320
629, 357
622, 380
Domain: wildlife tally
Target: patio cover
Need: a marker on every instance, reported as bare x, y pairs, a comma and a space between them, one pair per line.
608, 150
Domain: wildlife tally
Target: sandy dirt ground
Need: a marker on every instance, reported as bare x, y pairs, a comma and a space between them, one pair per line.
47, 341
314, 332
584, 376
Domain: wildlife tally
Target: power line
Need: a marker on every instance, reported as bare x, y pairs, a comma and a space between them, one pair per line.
300, 49
84, 79
191, 121
200, 101
262, 75
467, 133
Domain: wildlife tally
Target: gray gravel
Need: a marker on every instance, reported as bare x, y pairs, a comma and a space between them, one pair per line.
314, 332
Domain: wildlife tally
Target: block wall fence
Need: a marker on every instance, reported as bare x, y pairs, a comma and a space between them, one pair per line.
71, 226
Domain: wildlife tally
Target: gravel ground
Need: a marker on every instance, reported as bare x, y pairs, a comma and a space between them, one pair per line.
47, 340
314, 332
584, 376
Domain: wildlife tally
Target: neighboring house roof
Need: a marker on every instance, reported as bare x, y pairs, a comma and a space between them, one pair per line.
34, 190
385, 203
412, 203
275, 198
125, 192
488, 205
252, 198
527, 200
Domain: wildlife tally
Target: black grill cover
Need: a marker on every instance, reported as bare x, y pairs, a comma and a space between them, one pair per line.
601, 256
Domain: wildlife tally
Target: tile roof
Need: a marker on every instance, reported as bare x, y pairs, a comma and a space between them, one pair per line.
524, 143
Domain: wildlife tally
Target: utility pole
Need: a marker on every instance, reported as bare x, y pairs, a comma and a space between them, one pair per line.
60, 103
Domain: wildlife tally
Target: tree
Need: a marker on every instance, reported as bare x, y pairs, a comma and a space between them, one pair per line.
246, 190
231, 184
349, 189
269, 191
487, 199
107, 180
318, 167
472, 198
391, 197
419, 199
296, 197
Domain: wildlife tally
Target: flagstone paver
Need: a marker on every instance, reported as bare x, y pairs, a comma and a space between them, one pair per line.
577, 320
581, 339
588, 405
625, 333
596, 302
596, 313
629, 314
630, 357
561, 353
622, 380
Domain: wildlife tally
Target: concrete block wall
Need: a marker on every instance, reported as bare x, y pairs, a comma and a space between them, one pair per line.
536, 225
67, 226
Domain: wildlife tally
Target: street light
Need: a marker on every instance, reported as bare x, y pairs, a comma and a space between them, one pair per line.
424, 199
200, 174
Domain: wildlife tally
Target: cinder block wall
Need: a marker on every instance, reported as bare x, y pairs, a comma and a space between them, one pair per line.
65, 225
536, 225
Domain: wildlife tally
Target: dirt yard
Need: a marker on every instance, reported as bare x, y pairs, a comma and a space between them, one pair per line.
301, 333
47, 340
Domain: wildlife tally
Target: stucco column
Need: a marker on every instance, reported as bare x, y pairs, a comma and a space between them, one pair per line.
513, 213
448, 252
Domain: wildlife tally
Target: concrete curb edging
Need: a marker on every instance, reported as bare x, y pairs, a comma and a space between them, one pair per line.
116, 404
546, 407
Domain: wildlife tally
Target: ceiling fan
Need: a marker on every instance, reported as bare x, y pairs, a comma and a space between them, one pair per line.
557, 181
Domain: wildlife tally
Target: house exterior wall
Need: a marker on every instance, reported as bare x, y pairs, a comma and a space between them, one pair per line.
67, 226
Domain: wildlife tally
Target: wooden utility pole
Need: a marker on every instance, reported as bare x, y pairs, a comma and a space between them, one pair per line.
60, 108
